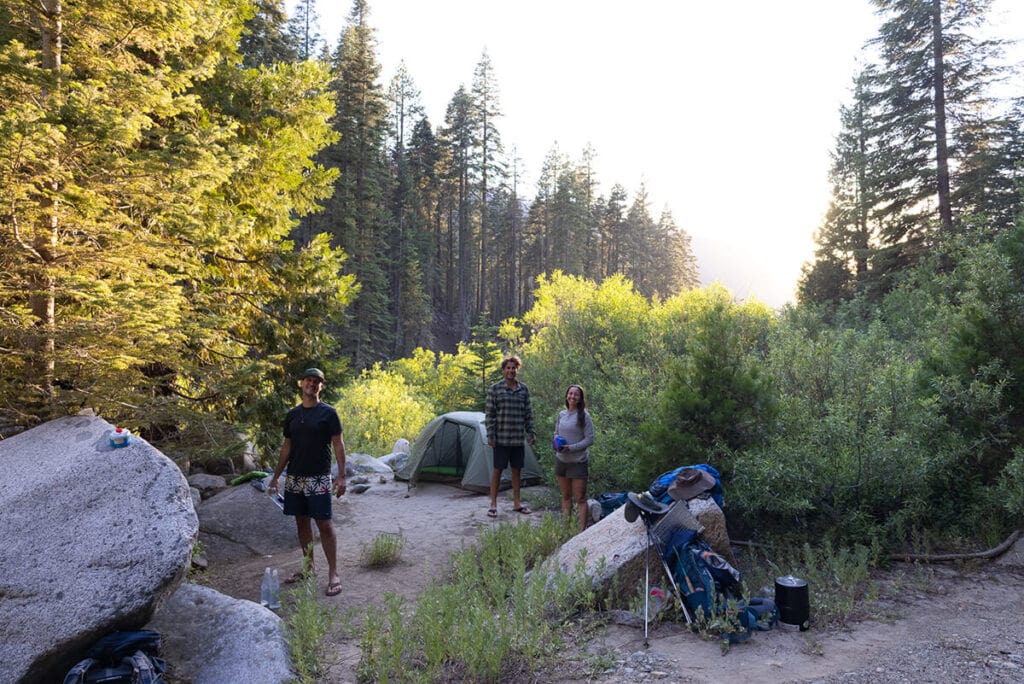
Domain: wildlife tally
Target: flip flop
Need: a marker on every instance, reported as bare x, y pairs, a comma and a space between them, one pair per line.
333, 589
297, 576
492, 512
525, 510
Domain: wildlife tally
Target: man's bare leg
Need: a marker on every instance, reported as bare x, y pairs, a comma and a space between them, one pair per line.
329, 542
495, 483
516, 473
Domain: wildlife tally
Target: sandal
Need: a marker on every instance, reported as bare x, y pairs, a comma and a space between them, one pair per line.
524, 509
334, 588
492, 512
297, 576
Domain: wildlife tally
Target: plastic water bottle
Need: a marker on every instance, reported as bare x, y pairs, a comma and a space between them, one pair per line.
274, 600
265, 588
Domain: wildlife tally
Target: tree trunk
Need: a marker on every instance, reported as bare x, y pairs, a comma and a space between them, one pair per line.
941, 147
44, 243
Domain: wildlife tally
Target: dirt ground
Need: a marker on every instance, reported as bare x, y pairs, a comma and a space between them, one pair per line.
936, 624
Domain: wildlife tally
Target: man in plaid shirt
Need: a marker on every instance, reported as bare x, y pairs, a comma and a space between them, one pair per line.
509, 418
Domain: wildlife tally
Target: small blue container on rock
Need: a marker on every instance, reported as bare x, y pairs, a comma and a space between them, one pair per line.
119, 437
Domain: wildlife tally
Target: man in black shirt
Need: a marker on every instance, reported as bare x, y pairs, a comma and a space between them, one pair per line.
311, 429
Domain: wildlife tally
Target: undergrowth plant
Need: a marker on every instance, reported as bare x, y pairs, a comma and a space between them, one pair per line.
307, 623
499, 612
838, 578
385, 550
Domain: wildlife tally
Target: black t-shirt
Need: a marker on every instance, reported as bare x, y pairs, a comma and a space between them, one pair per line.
311, 430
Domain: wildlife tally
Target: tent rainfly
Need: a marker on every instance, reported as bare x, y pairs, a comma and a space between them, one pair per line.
453, 448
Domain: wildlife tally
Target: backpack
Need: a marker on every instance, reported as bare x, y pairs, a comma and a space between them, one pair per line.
711, 587
121, 658
757, 613
705, 579
659, 488
610, 501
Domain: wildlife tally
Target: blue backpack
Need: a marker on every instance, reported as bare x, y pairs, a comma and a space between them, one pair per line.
659, 488
711, 586
121, 657
610, 501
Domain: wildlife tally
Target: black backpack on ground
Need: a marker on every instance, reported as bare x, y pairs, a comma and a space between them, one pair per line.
121, 658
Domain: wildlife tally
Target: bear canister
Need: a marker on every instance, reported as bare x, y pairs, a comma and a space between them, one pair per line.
793, 600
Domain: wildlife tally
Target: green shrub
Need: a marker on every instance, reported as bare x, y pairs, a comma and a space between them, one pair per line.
385, 550
307, 623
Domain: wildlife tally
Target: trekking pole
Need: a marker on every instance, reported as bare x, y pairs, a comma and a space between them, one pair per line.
647, 584
651, 538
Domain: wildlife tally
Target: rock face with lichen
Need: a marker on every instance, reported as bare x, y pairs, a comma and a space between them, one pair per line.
95, 538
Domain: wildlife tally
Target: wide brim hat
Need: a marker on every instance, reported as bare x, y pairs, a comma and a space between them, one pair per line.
313, 372
690, 482
646, 503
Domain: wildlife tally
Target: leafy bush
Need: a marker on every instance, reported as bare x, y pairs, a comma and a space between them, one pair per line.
719, 398
378, 408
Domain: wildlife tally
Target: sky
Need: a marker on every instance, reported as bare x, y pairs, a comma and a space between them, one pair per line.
725, 112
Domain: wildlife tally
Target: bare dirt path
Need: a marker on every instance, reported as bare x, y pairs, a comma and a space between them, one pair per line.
939, 623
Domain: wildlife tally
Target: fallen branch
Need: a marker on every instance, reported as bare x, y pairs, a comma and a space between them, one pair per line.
947, 557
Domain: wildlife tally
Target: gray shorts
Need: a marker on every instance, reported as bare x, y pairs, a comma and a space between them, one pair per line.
573, 471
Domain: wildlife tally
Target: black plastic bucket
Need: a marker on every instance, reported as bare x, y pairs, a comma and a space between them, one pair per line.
794, 602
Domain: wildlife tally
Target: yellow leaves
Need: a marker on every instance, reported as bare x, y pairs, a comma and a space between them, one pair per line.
378, 408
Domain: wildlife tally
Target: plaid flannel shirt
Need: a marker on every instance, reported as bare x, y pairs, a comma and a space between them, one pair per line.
509, 415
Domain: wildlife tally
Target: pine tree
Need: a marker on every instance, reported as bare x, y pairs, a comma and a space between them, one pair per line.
304, 29
925, 150
144, 270
846, 237
93, 188
931, 94
675, 265
356, 216
490, 168
639, 243
265, 38
410, 302
458, 137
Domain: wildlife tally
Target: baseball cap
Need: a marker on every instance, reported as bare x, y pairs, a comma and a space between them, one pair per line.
315, 372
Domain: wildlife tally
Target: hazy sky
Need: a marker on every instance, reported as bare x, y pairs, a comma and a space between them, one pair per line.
725, 111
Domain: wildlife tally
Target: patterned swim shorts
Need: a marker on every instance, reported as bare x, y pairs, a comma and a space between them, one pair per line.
308, 496
308, 485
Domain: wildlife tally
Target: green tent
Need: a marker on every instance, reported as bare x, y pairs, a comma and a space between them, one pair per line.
453, 448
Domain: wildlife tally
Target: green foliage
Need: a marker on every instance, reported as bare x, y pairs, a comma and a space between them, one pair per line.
145, 271
978, 365
853, 444
600, 337
307, 624
491, 618
378, 408
838, 576
719, 398
1010, 491
385, 550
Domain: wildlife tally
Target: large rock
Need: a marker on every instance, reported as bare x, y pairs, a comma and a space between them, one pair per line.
210, 638
242, 522
715, 532
613, 552
93, 539
208, 485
